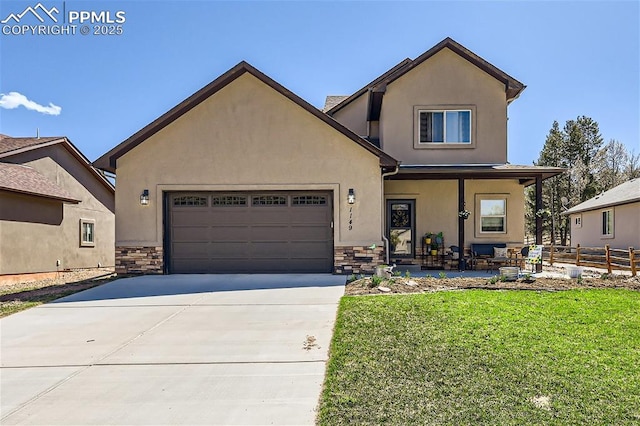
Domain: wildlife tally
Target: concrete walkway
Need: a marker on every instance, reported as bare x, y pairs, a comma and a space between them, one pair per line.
179, 349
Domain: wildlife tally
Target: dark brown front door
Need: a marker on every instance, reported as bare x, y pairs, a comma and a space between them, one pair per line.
401, 228
250, 232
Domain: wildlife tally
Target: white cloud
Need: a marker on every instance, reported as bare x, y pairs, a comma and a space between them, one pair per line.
13, 100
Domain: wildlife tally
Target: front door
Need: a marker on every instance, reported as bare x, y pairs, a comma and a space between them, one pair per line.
401, 226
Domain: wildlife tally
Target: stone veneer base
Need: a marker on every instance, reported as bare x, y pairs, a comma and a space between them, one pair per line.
139, 260
347, 260
357, 259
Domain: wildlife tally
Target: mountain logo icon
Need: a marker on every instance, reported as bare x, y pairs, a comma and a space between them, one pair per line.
43, 11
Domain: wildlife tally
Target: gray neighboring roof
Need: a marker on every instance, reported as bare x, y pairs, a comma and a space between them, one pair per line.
108, 160
26, 180
625, 193
10, 146
333, 100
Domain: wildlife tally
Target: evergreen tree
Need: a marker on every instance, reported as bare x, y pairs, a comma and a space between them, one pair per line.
591, 169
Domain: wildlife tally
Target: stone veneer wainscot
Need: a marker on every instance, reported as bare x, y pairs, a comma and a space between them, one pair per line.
357, 259
139, 260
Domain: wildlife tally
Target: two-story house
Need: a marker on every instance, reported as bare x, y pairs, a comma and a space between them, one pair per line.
245, 176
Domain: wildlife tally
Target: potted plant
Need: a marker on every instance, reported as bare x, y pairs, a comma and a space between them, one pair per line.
434, 248
439, 238
427, 238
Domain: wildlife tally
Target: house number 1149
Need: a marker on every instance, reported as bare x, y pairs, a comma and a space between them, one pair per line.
350, 218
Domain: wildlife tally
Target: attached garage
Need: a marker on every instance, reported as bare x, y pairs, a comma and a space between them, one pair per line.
244, 176
249, 232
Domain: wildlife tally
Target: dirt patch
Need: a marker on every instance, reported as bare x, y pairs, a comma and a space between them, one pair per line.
421, 285
15, 294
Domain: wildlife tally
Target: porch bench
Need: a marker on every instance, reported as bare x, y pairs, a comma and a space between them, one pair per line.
484, 252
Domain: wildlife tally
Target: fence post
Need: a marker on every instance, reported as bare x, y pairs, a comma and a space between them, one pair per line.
632, 261
607, 255
577, 254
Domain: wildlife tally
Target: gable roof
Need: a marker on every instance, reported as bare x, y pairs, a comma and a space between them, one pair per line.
625, 193
108, 160
513, 87
26, 180
10, 146
348, 99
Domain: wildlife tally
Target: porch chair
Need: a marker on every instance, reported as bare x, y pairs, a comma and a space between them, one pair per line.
463, 261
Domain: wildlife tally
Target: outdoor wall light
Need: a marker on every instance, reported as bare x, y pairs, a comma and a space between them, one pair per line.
144, 197
351, 198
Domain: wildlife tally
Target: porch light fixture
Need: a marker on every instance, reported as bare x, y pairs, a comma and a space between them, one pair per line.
351, 199
144, 197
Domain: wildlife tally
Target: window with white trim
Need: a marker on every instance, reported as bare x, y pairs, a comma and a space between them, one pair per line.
607, 223
493, 215
87, 233
577, 221
444, 126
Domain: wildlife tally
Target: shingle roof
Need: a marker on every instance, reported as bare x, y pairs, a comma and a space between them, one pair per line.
8, 144
333, 100
625, 193
26, 180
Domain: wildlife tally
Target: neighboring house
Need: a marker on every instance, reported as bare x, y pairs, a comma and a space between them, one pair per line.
612, 218
56, 210
245, 176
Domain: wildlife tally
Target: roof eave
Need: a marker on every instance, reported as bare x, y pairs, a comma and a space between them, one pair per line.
35, 194
579, 209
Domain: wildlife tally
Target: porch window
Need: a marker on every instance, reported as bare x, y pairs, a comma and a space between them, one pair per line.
449, 126
607, 223
493, 215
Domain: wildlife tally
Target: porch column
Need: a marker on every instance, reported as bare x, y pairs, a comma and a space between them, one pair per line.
538, 218
460, 224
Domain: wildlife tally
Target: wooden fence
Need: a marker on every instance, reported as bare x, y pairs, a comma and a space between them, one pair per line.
595, 257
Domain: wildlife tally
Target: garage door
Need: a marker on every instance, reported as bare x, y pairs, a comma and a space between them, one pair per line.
250, 232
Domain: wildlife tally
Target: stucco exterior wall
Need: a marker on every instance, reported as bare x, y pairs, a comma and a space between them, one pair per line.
445, 81
626, 228
248, 137
354, 115
35, 233
437, 208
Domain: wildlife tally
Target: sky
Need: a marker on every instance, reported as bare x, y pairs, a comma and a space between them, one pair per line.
576, 58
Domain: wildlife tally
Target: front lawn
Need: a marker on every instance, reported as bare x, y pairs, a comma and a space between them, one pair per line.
485, 357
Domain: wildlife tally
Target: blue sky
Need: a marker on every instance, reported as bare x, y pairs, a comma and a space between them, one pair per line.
577, 58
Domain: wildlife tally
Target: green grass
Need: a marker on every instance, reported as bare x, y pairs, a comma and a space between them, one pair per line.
485, 357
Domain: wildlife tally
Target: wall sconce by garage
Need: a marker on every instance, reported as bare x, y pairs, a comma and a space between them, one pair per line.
351, 198
144, 197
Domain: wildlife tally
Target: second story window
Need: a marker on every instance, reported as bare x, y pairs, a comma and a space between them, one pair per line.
449, 126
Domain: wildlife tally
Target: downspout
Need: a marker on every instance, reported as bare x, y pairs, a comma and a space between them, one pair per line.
384, 237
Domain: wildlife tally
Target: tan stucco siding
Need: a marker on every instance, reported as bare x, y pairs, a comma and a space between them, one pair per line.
35, 233
445, 81
626, 228
437, 207
248, 137
354, 115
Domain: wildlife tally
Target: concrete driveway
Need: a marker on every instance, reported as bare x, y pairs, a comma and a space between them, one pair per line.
178, 349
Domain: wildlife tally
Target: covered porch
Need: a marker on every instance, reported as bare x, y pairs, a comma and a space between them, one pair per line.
429, 209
